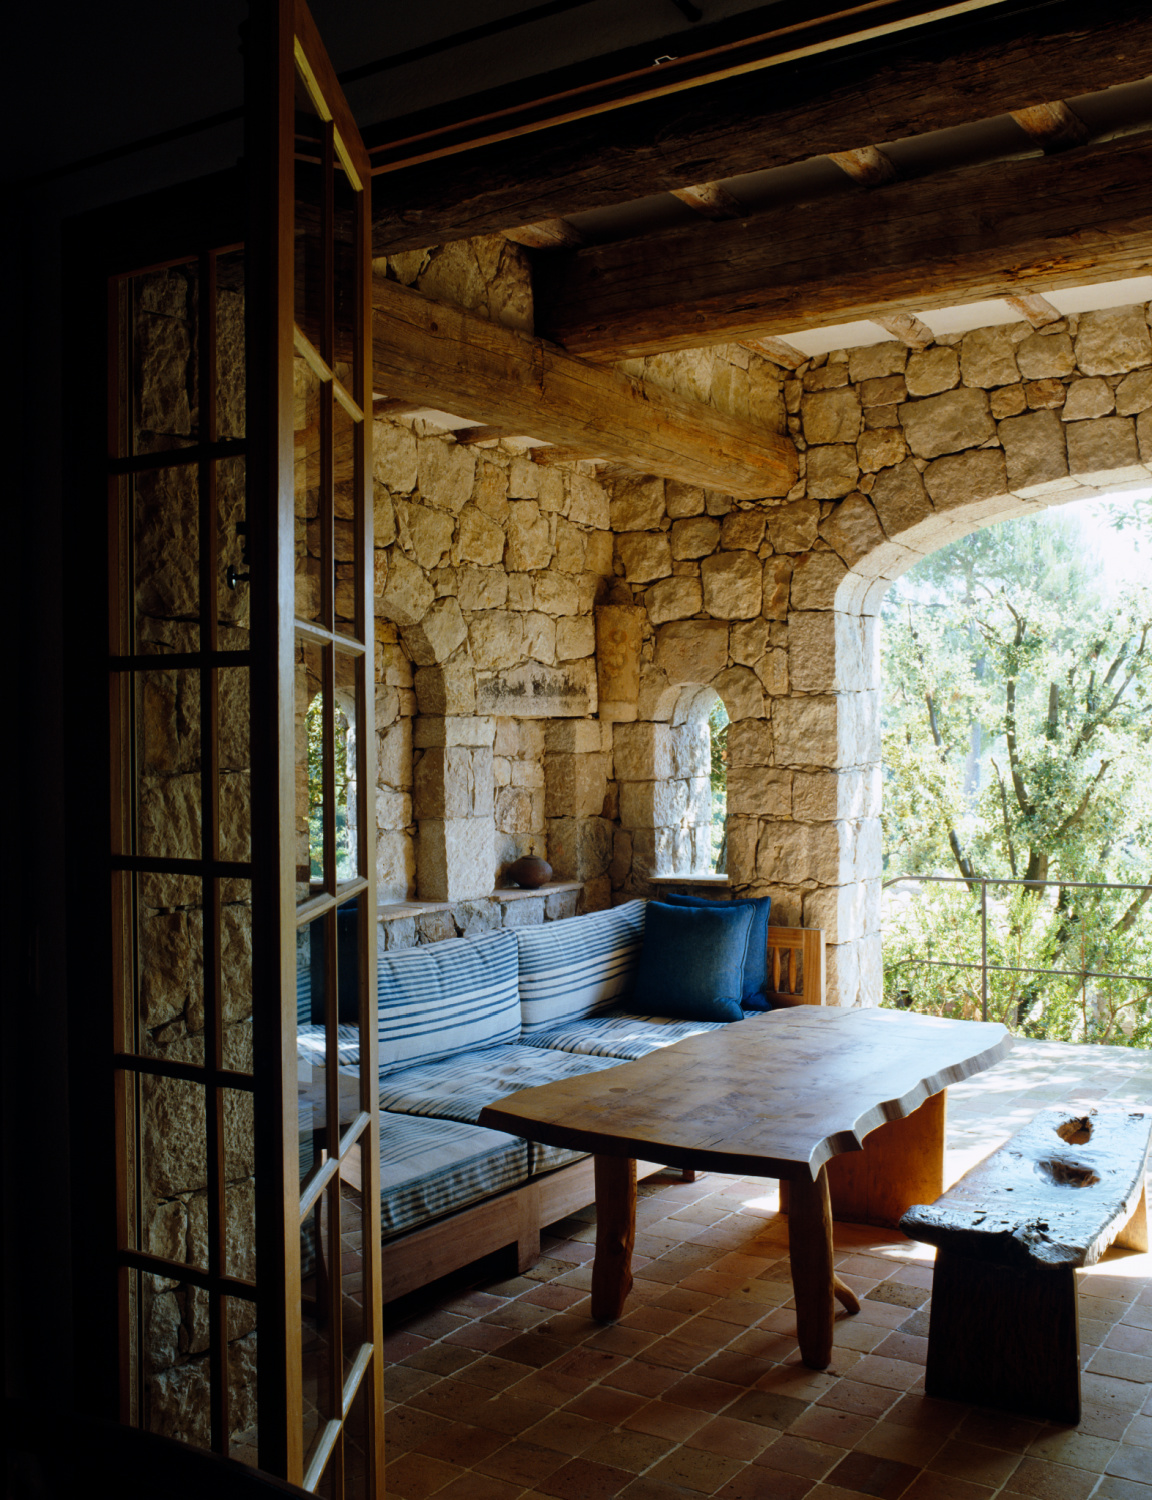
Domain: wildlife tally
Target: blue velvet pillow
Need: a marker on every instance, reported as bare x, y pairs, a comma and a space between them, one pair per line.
692, 962
756, 959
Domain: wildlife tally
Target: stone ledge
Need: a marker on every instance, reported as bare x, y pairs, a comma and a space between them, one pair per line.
395, 910
720, 881
517, 892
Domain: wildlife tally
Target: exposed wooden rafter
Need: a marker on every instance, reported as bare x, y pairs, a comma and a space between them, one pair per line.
1037, 309
866, 165
710, 200
779, 351
952, 73
993, 231
1054, 125
906, 327
549, 234
448, 357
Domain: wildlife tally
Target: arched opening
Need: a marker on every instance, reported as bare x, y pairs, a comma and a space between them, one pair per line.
700, 740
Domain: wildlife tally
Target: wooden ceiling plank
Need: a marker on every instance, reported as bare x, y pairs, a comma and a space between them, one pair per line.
952, 73
908, 328
1022, 226
866, 165
549, 234
1054, 125
1037, 309
443, 355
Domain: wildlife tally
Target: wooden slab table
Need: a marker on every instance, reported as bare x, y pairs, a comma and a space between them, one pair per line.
778, 1095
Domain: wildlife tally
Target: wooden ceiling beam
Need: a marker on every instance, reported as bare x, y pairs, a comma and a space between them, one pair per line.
549, 234
908, 328
450, 358
866, 165
710, 200
1054, 125
1037, 309
949, 73
997, 230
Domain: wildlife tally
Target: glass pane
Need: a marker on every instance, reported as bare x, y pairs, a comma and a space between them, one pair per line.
309, 276
309, 393
167, 710
164, 367
236, 973
353, 1322
233, 589
234, 761
345, 535
174, 1171
165, 529
316, 1350
348, 991
170, 968
230, 368
176, 1391
240, 1184
358, 1443
310, 829
344, 198
311, 1045
241, 1326
348, 863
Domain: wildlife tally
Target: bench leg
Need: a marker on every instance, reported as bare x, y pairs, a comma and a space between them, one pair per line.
1134, 1235
813, 1279
615, 1236
1005, 1337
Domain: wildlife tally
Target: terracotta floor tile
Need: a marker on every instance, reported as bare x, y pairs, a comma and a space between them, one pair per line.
414, 1476
442, 1358
401, 1383
1122, 1365
522, 1463
1109, 1391
408, 1428
673, 1353
799, 1455
896, 1374
483, 1336
843, 1429
735, 1368
622, 1341
866, 1475
755, 1483
661, 1419
548, 1387
945, 1487
702, 1394
534, 1349
567, 1432
645, 1380
704, 1329
899, 1294
695, 1470
587, 1365
883, 1314
901, 1345
1098, 1419
494, 1373
999, 1430
768, 1408
1079, 1450
732, 1439
474, 1486
975, 1462
865, 1400
583, 1479
461, 1444
558, 1298
398, 1345
1139, 1315
604, 1403
507, 1413
1048, 1481
647, 1488
634, 1451
907, 1445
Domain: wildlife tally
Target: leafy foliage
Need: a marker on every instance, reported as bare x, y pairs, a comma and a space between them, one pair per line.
718, 775
1017, 707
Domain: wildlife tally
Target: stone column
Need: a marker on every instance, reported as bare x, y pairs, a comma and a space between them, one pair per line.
453, 804
576, 794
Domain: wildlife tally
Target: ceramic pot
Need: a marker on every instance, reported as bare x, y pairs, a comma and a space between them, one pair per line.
529, 872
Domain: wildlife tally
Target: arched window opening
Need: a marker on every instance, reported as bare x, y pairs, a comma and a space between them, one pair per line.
718, 779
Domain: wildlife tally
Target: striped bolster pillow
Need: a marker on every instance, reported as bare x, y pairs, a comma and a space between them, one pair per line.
572, 968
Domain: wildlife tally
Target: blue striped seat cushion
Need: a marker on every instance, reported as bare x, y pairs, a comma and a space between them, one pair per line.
614, 1034
444, 998
573, 968
429, 1168
310, 1044
458, 1088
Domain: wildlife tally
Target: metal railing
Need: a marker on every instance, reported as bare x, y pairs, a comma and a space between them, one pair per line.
984, 881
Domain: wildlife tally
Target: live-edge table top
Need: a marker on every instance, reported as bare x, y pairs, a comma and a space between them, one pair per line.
773, 1096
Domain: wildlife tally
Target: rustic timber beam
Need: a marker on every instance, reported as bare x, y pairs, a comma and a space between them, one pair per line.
992, 231
945, 74
448, 357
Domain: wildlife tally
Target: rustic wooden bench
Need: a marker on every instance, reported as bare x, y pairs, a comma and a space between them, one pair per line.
1004, 1328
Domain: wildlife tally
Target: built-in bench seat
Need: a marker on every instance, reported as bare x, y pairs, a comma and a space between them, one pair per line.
1010, 1236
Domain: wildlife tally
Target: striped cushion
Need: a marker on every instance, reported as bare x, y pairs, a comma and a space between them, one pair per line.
573, 968
614, 1034
310, 1044
303, 993
433, 1167
458, 1088
548, 1158
445, 998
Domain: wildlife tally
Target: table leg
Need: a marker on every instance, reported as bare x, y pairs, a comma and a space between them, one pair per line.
813, 1279
615, 1235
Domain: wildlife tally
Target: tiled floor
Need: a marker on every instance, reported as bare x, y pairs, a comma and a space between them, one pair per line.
507, 1390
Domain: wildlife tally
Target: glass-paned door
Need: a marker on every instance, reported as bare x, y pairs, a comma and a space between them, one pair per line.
315, 494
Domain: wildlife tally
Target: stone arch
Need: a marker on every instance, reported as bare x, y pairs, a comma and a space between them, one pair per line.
959, 469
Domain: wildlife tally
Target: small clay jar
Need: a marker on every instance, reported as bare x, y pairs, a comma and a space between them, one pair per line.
529, 872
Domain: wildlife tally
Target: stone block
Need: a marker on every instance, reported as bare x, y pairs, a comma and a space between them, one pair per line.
1088, 398
948, 423
529, 538
825, 796
793, 527
621, 866
695, 536
1097, 450
657, 699
515, 812
394, 754
899, 498
596, 895
636, 505
587, 502
692, 651
393, 809
653, 804
571, 737
879, 448
437, 635
816, 577
732, 585
759, 792
932, 371
805, 853
598, 552
742, 692
1007, 401
579, 848
394, 457
777, 587
742, 529
988, 358
535, 691
825, 377
575, 785
619, 632
575, 638
748, 641
644, 555
528, 911
825, 651
772, 670
447, 689
888, 390
571, 548
1043, 356
471, 918
383, 517
407, 594
1113, 341
877, 360
807, 731
832, 471
642, 752
831, 416
496, 638
454, 782
557, 594
560, 904
690, 749
435, 927
1035, 449
400, 932
1050, 394
479, 540
435, 733
852, 529
1144, 436
964, 478
491, 490
750, 743
674, 599
1134, 393
683, 499
699, 814
482, 589
840, 911
447, 473
424, 533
